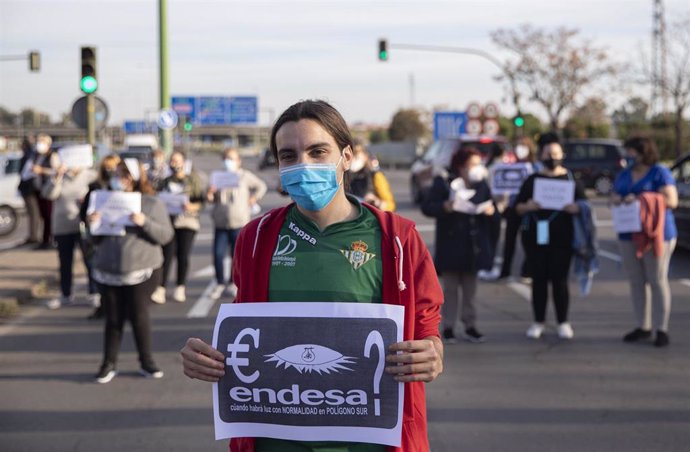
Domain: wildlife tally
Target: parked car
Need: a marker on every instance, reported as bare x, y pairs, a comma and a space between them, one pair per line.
437, 159
681, 172
594, 162
11, 202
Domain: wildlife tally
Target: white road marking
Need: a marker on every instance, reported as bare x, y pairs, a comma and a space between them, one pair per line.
426, 227
612, 256
204, 304
685, 282
204, 237
521, 289
205, 272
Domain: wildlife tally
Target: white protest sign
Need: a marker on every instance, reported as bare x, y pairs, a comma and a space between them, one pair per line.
464, 206
507, 178
225, 179
173, 202
553, 194
77, 156
627, 218
115, 208
308, 372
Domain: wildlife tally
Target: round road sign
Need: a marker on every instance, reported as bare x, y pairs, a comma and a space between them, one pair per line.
474, 127
491, 127
491, 111
167, 119
474, 110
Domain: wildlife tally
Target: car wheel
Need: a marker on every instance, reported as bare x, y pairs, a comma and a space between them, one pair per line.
8, 220
603, 185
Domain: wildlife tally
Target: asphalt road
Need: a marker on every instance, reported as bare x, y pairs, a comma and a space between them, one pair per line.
594, 393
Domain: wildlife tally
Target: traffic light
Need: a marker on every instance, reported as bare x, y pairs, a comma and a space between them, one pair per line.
187, 125
518, 120
34, 61
383, 50
88, 82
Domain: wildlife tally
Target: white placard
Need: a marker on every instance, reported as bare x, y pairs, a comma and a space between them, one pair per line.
507, 178
225, 179
626, 217
115, 208
173, 202
464, 206
308, 372
553, 194
77, 156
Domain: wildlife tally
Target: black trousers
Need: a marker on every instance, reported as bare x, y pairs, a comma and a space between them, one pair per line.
179, 247
513, 221
45, 207
34, 214
66, 244
131, 303
549, 265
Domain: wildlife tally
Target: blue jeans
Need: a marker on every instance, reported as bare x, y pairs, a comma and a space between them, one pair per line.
221, 239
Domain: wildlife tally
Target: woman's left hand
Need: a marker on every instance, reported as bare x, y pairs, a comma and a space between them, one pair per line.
490, 210
138, 219
418, 360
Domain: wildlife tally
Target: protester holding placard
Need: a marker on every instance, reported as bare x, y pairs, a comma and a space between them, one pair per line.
651, 185
232, 209
186, 224
330, 248
547, 237
123, 267
67, 189
367, 181
525, 154
463, 238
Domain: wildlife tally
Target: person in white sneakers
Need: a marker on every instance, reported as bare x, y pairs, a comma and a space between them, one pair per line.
186, 225
232, 209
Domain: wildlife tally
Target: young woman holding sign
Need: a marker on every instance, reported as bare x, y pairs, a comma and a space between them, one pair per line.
123, 266
647, 268
313, 147
547, 237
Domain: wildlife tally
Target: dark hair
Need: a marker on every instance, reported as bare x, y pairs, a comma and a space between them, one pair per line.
461, 157
319, 111
645, 147
181, 152
142, 185
547, 138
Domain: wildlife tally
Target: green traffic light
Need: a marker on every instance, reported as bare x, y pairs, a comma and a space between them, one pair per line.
519, 121
383, 55
187, 126
88, 84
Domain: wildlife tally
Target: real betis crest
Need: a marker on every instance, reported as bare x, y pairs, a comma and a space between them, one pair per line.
357, 254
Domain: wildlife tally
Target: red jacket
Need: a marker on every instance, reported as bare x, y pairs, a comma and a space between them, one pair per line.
409, 279
653, 216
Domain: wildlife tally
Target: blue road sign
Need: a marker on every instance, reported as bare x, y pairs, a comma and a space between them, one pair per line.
448, 124
139, 127
217, 110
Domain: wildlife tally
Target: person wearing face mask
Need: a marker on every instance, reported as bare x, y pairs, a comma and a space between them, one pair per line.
550, 251
367, 182
67, 189
524, 152
43, 168
232, 210
28, 190
651, 184
106, 171
313, 147
186, 224
123, 266
159, 169
463, 243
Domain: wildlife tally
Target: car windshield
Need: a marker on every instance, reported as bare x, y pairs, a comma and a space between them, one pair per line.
12, 166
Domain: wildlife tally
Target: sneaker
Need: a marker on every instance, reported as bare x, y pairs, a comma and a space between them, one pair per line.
179, 295
106, 373
488, 275
57, 303
535, 330
565, 331
474, 336
662, 339
232, 290
636, 335
217, 291
158, 295
151, 371
94, 300
525, 280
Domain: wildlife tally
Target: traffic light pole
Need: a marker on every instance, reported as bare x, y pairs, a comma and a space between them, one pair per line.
166, 135
91, 119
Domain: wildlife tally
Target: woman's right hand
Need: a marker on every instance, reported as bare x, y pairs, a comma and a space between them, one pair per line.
201, 361
532, 206
93, 217
211, 193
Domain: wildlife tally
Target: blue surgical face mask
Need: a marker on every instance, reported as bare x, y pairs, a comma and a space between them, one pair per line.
230, 164
311, 185
116, 184
630, 161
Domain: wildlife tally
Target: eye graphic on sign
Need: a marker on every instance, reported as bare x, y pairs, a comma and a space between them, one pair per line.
310, 358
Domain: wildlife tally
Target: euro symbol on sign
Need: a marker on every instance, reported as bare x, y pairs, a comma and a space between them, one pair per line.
235, 348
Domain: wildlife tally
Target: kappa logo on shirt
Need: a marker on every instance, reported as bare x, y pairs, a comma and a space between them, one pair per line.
281, 256
301, 234
357, 254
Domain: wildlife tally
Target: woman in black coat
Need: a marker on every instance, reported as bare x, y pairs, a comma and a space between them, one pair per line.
462, 204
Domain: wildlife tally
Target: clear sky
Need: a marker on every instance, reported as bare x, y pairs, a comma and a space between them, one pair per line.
284, 51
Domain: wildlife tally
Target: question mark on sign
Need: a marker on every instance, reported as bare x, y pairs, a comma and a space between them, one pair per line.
376, 339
